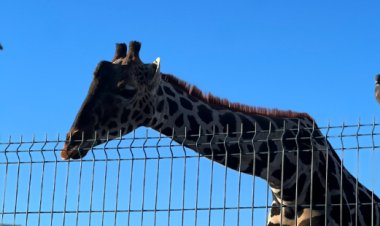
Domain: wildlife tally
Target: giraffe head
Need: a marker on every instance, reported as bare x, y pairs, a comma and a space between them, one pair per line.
118, 101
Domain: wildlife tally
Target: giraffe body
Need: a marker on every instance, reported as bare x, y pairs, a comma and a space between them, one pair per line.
284, 148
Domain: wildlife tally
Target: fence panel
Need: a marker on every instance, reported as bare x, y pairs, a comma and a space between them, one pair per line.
145, 178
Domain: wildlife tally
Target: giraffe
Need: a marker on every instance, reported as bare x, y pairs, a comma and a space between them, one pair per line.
308, 182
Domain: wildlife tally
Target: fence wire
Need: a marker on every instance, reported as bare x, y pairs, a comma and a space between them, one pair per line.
146, 178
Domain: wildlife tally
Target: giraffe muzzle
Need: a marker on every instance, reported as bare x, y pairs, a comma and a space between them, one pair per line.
72, 153
76, 146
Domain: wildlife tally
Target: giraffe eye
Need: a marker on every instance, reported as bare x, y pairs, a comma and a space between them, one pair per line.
126, 90
127, 93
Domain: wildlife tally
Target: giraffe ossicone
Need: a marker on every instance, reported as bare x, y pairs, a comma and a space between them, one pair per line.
285, 148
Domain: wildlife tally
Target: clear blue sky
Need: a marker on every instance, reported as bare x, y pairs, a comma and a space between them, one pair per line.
318, 57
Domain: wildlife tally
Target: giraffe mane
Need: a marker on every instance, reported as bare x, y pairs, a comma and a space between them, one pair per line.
225, 103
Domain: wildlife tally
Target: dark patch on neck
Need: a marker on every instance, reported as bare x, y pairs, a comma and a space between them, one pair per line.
335, 214
160, 106
135, 114
233, 161
139, 118
289, 140
167, 131
179, 121
159, 91
289, 169
186, 104
262, 123
168, 91
173, 107
248, 128
227, 119
305, 156
146, 122
265, 151
147, 110
367, 210
205, 114
193, 124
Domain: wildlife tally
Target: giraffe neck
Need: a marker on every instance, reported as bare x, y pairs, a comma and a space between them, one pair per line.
291, 154
244, 142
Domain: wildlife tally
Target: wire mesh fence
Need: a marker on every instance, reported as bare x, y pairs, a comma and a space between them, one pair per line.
146, 178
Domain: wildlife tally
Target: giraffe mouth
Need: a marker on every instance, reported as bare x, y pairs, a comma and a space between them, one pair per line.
73, 152
76, 146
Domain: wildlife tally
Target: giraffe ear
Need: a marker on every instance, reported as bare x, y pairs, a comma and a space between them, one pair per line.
156, 64
156, 77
